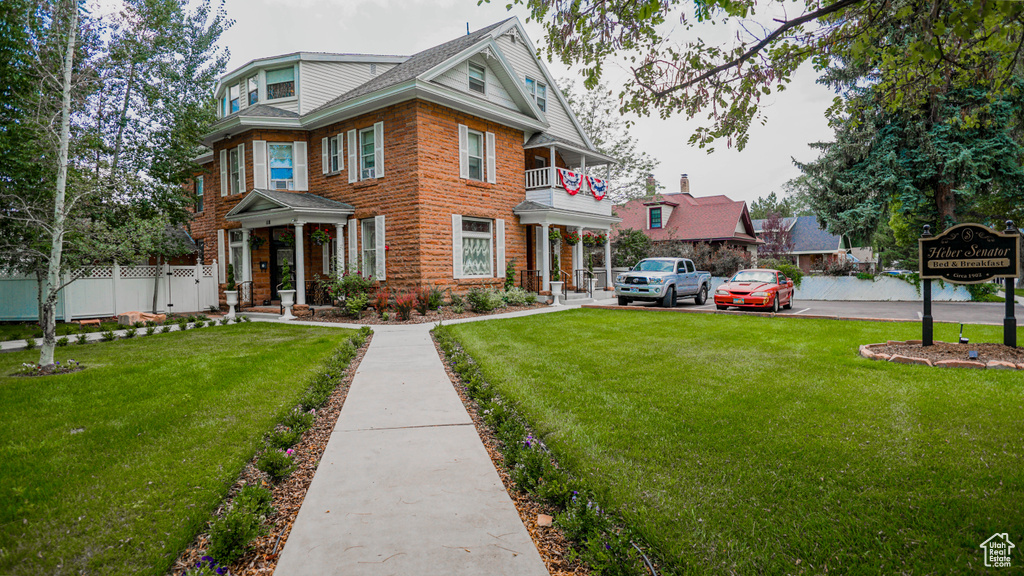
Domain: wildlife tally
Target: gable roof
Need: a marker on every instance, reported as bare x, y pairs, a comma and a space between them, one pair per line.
710, 218
261, 200
417, 64
809, 238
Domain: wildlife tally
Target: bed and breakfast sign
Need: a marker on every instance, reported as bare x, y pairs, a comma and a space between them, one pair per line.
970, 254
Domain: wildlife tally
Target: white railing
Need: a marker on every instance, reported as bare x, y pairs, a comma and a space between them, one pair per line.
538, 178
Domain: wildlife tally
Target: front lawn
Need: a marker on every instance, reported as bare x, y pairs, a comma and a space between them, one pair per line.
737, 444
114, 469
22, 330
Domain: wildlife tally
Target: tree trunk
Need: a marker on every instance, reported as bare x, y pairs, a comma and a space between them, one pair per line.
945, 205
122, 119
52, 282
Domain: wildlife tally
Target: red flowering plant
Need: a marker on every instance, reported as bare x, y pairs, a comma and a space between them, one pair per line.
571, 238
288, 237
320, 236
592, 239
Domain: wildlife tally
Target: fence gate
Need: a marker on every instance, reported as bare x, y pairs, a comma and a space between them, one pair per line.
184, 289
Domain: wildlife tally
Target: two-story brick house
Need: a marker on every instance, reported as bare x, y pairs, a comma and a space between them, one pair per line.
435, 169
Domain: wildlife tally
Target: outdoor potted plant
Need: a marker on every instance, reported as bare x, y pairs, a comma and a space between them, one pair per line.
255, 241
230, 293
288, 237
554, 235
556, 282
287, 292
571, 238
320, 237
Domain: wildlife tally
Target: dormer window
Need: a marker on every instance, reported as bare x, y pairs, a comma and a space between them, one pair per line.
233, 99
281, 83
254, 90
477, 78
655, 218
539, 92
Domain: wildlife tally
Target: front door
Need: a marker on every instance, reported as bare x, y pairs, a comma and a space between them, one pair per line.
279, 251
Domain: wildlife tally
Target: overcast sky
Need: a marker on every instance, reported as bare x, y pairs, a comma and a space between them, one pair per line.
795, 117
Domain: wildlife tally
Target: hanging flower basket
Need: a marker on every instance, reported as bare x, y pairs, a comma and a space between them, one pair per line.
288, 237
320, 237
571, 238
256, 242
591, 239
554, 235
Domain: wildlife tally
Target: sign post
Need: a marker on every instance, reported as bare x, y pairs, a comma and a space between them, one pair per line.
970, 254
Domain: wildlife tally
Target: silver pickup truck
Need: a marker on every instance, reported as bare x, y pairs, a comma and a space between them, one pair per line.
663, 280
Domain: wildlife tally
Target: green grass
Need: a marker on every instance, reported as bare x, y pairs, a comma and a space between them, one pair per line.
753, 445
114, 469
20, 331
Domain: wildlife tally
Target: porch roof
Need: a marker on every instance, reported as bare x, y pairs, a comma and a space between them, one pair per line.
262, 208
570, 151
534, 213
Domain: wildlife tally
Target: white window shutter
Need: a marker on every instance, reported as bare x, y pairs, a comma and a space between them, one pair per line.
241, 169
499, 234
353, 250
259, 164
301, 165
224, 186
341, 151
380, 248
378, 152
243, 96
325, 156
492, 170
463, 151
457, 245
221, 250
353, 157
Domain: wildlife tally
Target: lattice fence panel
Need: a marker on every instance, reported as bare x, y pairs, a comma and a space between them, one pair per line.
139, 271
183, 272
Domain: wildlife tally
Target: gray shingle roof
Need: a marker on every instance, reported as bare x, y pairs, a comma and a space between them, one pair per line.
416, 64
807, 235
265, 111
303, 200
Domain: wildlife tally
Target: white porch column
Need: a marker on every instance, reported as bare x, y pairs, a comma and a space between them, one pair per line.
545, 259
608, 258
115, 281
339, 254
552, 181
577, 254
246, 256
300, 266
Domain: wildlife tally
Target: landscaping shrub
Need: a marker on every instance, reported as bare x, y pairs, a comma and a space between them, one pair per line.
455, 299
423, 300
131, 332
381, 300
630, 246
109, 336
183, 324
150, 330
276, 464
404, 303
231, 534
791, 270
985, 292
283, 438
484, 299
30, 343
510, 275
839, 268
298, 420
355, 305
435, 298
516, 296
82, 339
865, 276
346, 285
63, 341
255, 499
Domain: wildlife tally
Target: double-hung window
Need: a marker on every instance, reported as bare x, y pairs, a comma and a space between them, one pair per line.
253, 86
477, 78
233, 155
655, 218
369, 247
282, 168
476, 155
237, 253
367, 150
281, 83
539, 92
334, 153
233, 98
199, 193
476, 247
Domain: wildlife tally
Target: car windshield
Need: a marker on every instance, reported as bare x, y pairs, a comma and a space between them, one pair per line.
654, 266
754, 276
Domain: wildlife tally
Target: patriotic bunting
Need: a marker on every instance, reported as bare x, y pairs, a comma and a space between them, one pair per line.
598, 187
571, 181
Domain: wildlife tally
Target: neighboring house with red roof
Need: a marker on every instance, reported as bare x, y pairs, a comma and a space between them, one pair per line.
717, 220
813, 248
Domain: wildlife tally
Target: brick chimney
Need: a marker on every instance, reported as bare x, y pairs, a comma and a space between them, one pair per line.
684, 184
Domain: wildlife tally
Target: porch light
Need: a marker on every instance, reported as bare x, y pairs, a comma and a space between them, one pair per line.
263, 265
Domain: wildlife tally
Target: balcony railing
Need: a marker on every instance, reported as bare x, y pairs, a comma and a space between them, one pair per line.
538, 178
543, 187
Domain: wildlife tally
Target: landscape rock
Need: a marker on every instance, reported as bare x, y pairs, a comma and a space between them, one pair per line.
959, 364
543, 520
909, 360
1001, 365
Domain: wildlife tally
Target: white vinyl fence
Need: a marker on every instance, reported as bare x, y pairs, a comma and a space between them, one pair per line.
104, 291
882, 289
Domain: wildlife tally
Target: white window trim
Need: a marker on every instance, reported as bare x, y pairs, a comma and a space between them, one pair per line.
483, 155
365, 251
248, 92
533, 90
362, 155
270, 179
266, 89
241, 169
469, 76
200, 191
232, 174
490, 246
239, 267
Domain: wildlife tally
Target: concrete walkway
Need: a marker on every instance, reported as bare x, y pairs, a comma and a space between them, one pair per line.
405, 485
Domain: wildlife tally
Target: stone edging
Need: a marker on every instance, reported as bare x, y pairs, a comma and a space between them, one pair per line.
866, 351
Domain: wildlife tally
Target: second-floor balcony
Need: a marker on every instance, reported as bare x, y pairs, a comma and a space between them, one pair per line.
567, 189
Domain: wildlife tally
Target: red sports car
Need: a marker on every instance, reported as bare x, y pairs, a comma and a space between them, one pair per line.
760, 288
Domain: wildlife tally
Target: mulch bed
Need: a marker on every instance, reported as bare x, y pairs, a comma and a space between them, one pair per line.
443, 315
948, 351
550, 541
288, 495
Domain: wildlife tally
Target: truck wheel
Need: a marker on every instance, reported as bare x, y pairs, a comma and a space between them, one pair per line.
702, 296
775, 304
669, 301
623, 301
